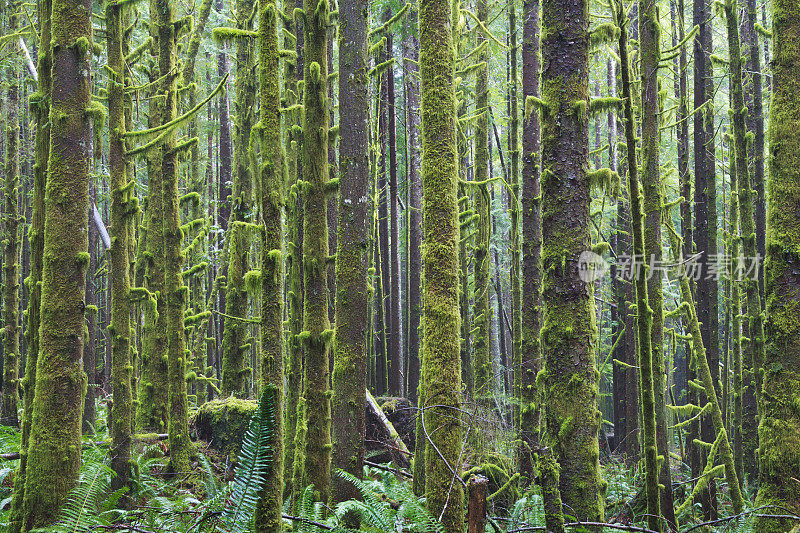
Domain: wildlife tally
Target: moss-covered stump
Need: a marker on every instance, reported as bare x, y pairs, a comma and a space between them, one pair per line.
223, 423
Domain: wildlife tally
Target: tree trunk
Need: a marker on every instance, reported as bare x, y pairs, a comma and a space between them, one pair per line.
411, 74
36, 236
650, 34
151, 414
644, 311
54, 452
780, 425
482, 360
441, 358
317, 333
353, 311
530, 412
268, 513
569, 331
11, 232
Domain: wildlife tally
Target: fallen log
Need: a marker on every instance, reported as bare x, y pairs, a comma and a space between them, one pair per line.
395, 445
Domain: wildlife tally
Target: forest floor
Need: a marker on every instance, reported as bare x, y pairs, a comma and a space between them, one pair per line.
202, 502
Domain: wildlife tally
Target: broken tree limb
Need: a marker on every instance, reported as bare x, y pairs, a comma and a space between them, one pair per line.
398, 449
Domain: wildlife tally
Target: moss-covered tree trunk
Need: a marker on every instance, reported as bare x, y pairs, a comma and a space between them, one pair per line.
569, 330
530, 413
41, 107
644, 312
482, 358
11, 233
754, 347
779, 432
650, 35
175, 292
294, 216
316, 325
235, 346
441, 357
54, 448
352, 265
268, 514
122, 208
151, 412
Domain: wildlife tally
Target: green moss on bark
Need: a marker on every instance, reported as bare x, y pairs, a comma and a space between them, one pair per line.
316, 323
11, 233
54, 448
569, 330
441, 353
779, 432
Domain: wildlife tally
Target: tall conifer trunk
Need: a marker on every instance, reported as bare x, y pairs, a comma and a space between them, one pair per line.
41, 107
268, 514
180, 446
650, 32
482, 358
779, 432
531, 243
122, 208
568, 331
11, 239
151, 414
441, 354
54, 451
353, 312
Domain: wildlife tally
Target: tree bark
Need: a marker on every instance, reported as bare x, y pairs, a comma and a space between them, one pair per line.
353, 312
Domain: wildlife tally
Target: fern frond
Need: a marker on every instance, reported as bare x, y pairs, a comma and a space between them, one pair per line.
255, 456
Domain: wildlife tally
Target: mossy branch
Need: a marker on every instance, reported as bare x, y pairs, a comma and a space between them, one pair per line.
384, 28
231, 34
167, 128
607, 32
601, 105
484, 29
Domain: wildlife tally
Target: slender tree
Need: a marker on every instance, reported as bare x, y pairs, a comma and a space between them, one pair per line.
441, 358
482, 358
644, 313
650, 35
54, 448
268, 514
235, 345
152, 411
123, 206
180, 445
40, 103
779, 431
316, 325
531, 242
11, 240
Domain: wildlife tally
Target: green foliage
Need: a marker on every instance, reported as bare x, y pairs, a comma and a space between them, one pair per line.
255, 456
